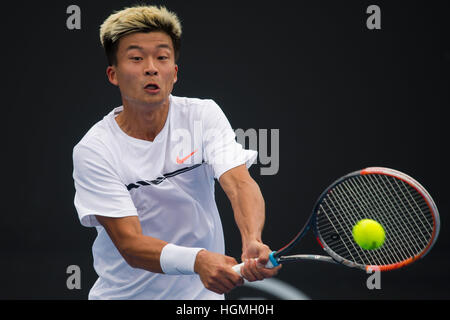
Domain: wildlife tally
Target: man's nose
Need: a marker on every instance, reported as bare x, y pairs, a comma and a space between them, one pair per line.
150, 68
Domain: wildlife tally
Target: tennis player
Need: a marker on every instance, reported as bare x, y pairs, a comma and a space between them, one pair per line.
144, 176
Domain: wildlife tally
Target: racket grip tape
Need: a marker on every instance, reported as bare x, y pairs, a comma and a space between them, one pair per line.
272, 263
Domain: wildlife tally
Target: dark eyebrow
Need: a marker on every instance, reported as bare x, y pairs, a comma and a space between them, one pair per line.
163, 45
135, 47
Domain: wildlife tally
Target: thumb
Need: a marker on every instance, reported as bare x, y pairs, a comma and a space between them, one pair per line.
263, 259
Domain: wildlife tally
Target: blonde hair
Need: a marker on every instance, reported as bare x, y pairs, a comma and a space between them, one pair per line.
139, 18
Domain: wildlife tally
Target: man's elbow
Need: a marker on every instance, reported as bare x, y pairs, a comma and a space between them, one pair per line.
127, 250
237, 182
131, 260
239, 187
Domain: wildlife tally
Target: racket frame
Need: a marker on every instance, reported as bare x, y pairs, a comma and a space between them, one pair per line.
280, 257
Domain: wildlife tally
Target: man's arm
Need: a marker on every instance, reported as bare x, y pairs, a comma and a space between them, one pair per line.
249, 212
144, 252
138, 250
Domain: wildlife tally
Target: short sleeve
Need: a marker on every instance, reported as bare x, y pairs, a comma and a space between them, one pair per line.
98, 189
220, 148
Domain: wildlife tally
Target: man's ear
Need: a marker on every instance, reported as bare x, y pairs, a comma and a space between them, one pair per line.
176, 74
112, 75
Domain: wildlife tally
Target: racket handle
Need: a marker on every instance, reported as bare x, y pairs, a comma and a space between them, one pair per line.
272, 263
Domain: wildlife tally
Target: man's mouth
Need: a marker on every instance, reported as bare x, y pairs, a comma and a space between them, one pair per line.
152, 88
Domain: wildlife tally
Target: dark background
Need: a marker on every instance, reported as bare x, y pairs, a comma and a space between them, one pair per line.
343, 97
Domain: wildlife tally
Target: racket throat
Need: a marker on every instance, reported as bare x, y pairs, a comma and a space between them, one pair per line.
297, 257
274, 261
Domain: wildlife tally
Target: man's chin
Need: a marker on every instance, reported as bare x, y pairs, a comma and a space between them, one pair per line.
156, 100
152, 102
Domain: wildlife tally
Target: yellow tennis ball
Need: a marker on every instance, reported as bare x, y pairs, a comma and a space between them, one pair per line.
368, 234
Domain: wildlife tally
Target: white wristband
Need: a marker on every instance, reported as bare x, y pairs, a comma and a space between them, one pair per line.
176, 260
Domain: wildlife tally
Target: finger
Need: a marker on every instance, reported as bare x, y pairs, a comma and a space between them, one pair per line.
258, 271
247, 272
231, 280
224, 286
263, 258
220, 284
235, 279
270, 272
216, 288
251, 271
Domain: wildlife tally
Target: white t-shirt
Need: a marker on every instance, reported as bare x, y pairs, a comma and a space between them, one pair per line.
167, 183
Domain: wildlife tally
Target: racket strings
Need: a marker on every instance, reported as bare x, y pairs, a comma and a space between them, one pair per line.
401, 217
417, 211
406, 236
375, 209
394, 204
389, 220
419, 226
346, 243
371, 256
365, 257
400, 208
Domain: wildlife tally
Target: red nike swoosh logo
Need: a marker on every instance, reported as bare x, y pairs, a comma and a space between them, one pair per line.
180, 161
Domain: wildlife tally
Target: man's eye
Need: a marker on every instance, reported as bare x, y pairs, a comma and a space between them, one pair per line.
163, 58
136, 58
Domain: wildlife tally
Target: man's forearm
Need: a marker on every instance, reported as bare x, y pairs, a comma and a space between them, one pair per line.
143, 252
138, 250
249, 210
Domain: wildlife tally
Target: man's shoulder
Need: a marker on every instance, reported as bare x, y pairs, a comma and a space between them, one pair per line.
192, 104
96, 138
194, 108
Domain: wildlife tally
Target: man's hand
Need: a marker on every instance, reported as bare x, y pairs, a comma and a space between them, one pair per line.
254, 270
216, 273
249, 213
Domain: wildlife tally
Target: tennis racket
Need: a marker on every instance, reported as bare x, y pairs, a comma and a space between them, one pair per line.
399, 203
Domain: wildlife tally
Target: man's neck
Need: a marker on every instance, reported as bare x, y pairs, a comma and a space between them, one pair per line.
143, 123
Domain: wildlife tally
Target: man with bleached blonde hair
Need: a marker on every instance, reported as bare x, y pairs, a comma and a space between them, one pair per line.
144, 176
